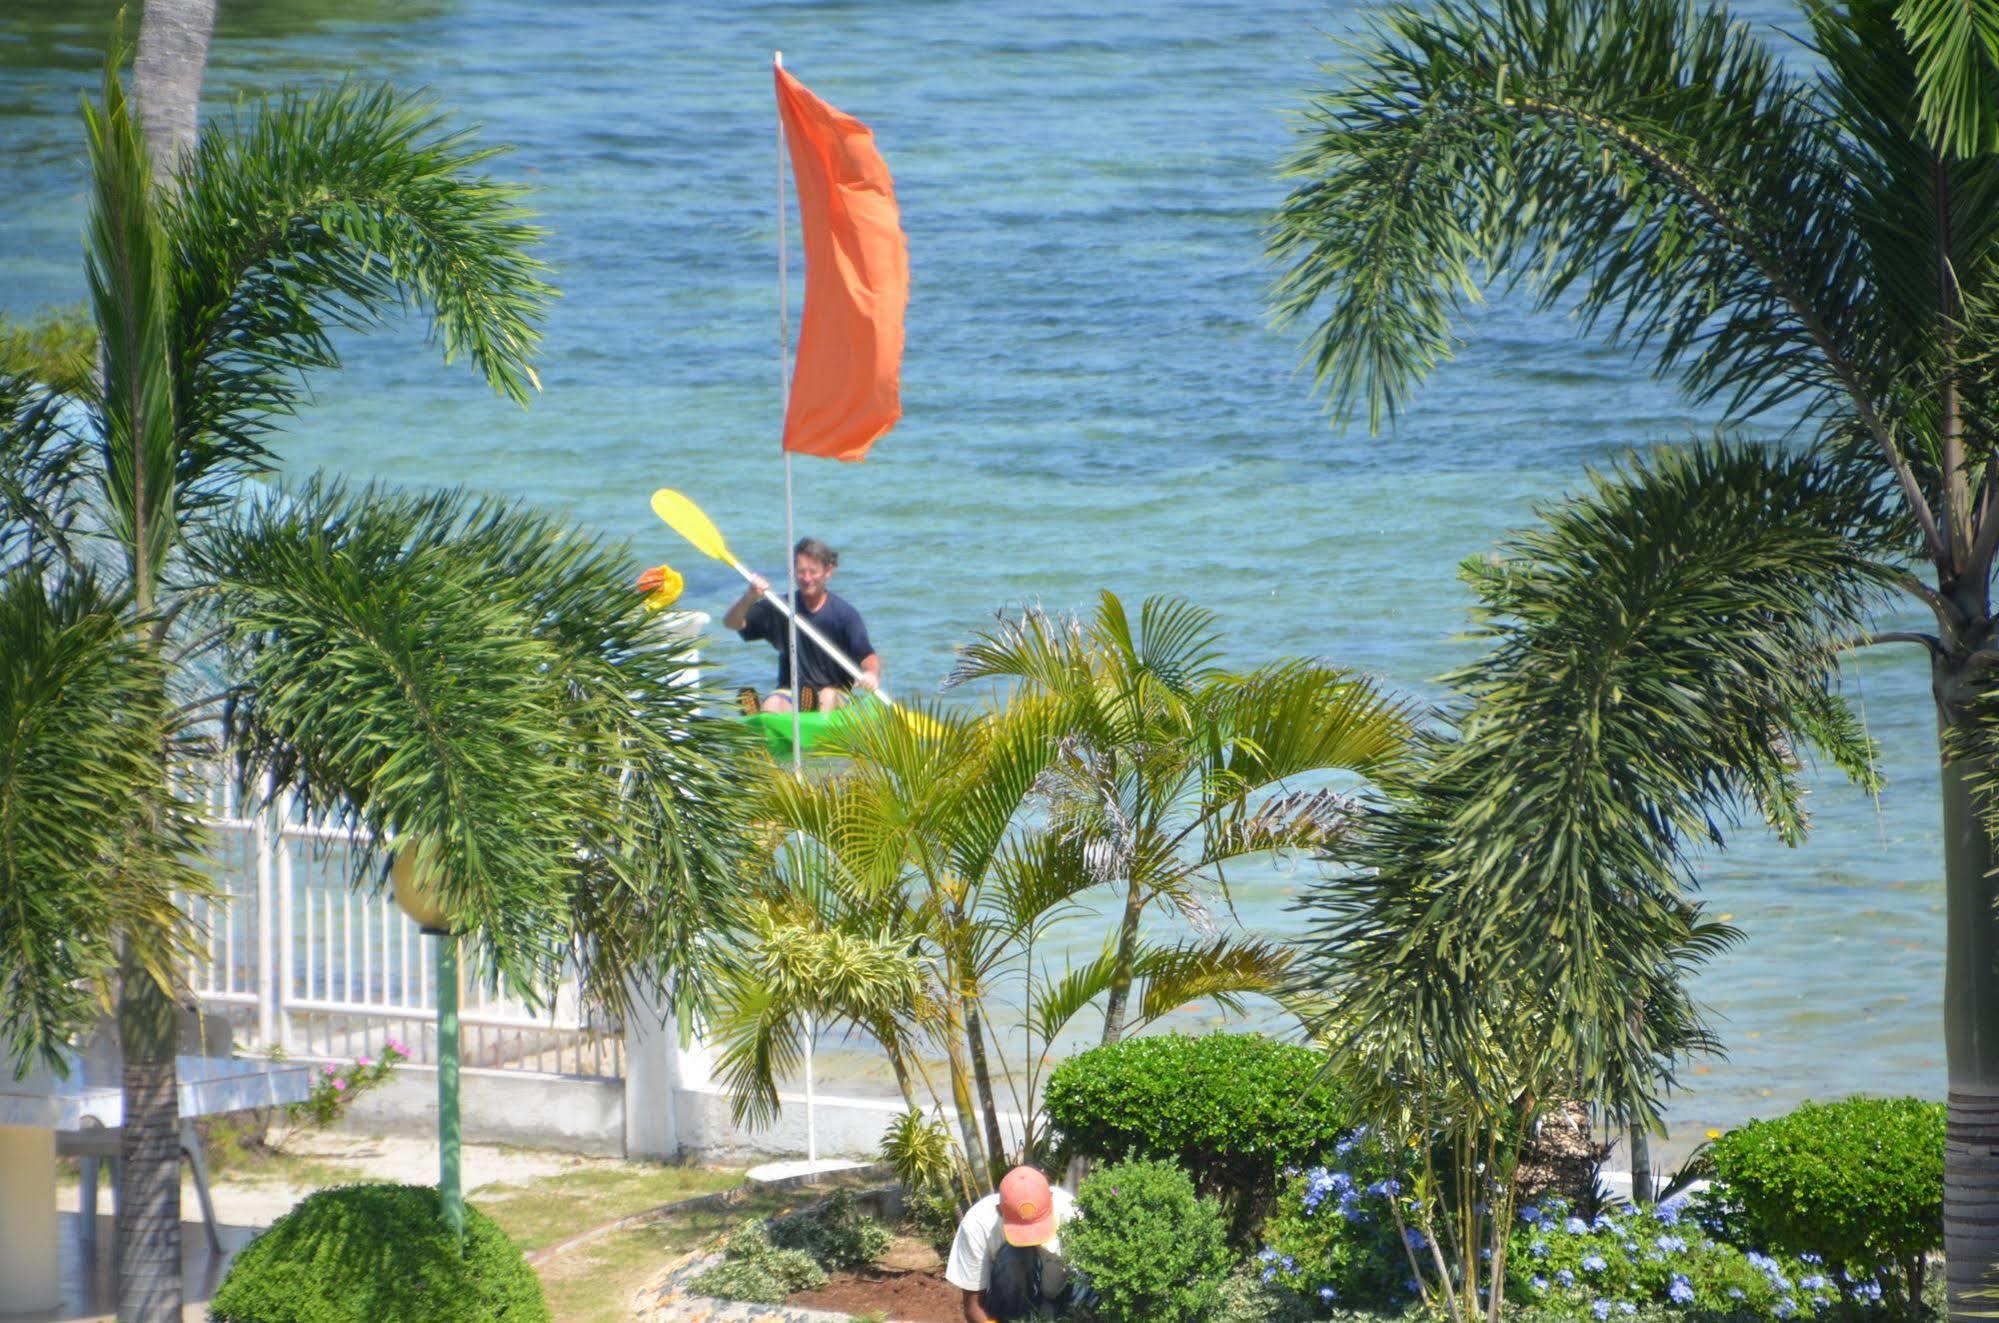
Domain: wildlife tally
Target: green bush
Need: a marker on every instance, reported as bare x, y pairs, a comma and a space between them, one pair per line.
756, 1270
1333, 1237
1620, 1263
1858, 1182
1232, 1110
836, 1233
378, 1254
1151, 1249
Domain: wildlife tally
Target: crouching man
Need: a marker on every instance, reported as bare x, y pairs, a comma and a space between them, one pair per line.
1007, 1259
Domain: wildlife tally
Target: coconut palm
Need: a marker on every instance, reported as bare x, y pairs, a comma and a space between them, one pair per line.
1170, 767
211, 301
1824, 239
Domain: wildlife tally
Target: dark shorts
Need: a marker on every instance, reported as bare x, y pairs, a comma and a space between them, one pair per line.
1014, 1290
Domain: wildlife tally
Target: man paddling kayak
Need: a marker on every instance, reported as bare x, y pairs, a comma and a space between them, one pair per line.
823, 684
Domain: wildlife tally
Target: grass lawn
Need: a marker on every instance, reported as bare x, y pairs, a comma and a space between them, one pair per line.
549, 1210
594, 1283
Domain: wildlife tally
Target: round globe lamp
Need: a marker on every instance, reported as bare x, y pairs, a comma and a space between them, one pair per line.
418, 884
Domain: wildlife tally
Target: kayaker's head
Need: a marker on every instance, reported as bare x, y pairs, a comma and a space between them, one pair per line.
812, 564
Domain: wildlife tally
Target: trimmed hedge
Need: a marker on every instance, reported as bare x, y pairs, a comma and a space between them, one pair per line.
1233, 1110
378, 1254
1858, 1183
1151, 1250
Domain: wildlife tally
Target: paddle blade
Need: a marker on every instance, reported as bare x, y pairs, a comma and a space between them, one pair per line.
691, 522
662, 586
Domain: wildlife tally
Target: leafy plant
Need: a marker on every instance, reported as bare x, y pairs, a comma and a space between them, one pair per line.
1233, 1110
1339, 1234
1152, 1251
1616, 1264
378, 1254
1858, 1183
836, 1233
57, 349
917, 1148
756, 1270
334, 1088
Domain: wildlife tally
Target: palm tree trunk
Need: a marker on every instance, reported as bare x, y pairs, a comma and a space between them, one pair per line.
166, 76
961, 1094
149, 1285
1641, 1166
1127, 947
1971, 1008
982, 1075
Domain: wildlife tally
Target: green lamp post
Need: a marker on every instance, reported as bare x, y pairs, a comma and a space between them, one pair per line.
415, 876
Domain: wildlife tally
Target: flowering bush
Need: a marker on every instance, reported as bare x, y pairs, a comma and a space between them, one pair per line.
1335, 1238
1612, 1266
335, 1088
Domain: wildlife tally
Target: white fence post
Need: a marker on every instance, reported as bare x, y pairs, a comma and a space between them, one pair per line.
267, 981
282, 985
652, 1080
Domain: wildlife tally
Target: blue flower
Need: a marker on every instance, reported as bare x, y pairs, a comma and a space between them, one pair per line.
1414, 1239
1328, 1294
1290, 1264
1786, 1307
1601, 1309
1627, 1306
1539, 1283
1670, 1244
1270, 1274
1603, 1222
1566, 1277
1594, 1263
1268, 1256
1810, 1258
1669, 1212
1680, 1291
1530, 1214
1813, 1283
1538, 1248
1575, 1226
1347, 1145
1735, 1293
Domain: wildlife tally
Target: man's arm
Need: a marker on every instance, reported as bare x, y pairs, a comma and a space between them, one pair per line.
738, 614
871, 672
974, 1311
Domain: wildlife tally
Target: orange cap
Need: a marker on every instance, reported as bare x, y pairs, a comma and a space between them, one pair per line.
1027, 1208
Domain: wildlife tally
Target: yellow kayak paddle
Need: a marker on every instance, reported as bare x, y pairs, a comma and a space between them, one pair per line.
692, 522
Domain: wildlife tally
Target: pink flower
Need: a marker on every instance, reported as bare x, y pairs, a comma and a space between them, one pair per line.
395, 1045
339, 1085
363, 1061
328, 1069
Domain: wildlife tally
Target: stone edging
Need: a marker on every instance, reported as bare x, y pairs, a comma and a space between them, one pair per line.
728, 1198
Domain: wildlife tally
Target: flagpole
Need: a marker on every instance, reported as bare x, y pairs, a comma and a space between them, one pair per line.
784, 397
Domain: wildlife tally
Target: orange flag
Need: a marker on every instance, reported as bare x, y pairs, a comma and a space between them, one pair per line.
845, 388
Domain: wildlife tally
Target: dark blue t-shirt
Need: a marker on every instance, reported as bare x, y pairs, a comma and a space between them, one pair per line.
836, 619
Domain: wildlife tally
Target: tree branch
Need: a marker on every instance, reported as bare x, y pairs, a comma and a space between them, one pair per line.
1930, 641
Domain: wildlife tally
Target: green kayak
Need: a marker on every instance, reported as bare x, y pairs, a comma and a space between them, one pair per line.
775, 727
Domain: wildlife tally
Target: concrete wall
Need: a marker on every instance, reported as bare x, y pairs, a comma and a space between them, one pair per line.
565, 1112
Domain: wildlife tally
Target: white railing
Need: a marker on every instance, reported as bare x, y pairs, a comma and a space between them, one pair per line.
304, 955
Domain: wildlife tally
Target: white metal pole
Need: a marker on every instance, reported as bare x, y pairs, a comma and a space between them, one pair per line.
286, 957
784, 407
811, 1118
267, 965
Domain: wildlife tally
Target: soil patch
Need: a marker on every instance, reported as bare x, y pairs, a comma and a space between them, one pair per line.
906, 1297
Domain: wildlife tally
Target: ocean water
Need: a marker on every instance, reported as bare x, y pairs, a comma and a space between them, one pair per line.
1094, 395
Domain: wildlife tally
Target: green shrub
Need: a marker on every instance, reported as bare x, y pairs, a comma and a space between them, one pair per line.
1233, 1110
835, 1234
1333, 1237
1151, 1250
1623, 1262
756, 1270
917, 1148
932, 1217
378, 1254
1858, 1182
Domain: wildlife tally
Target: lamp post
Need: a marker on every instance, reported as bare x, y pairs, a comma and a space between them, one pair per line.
415, 876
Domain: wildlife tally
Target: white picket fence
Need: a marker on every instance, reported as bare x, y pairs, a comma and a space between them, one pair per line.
304, 955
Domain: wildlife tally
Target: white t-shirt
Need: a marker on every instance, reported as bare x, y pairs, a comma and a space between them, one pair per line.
981, 1234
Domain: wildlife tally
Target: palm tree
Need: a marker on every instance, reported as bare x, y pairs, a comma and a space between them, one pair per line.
1170, 767
914, 886
166, 77
211, 301
1826, 239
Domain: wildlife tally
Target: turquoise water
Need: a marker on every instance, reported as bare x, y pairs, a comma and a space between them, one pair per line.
1093, 394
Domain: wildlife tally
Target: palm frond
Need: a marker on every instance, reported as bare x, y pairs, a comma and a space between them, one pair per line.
1956, 44
92, 843
313, 212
